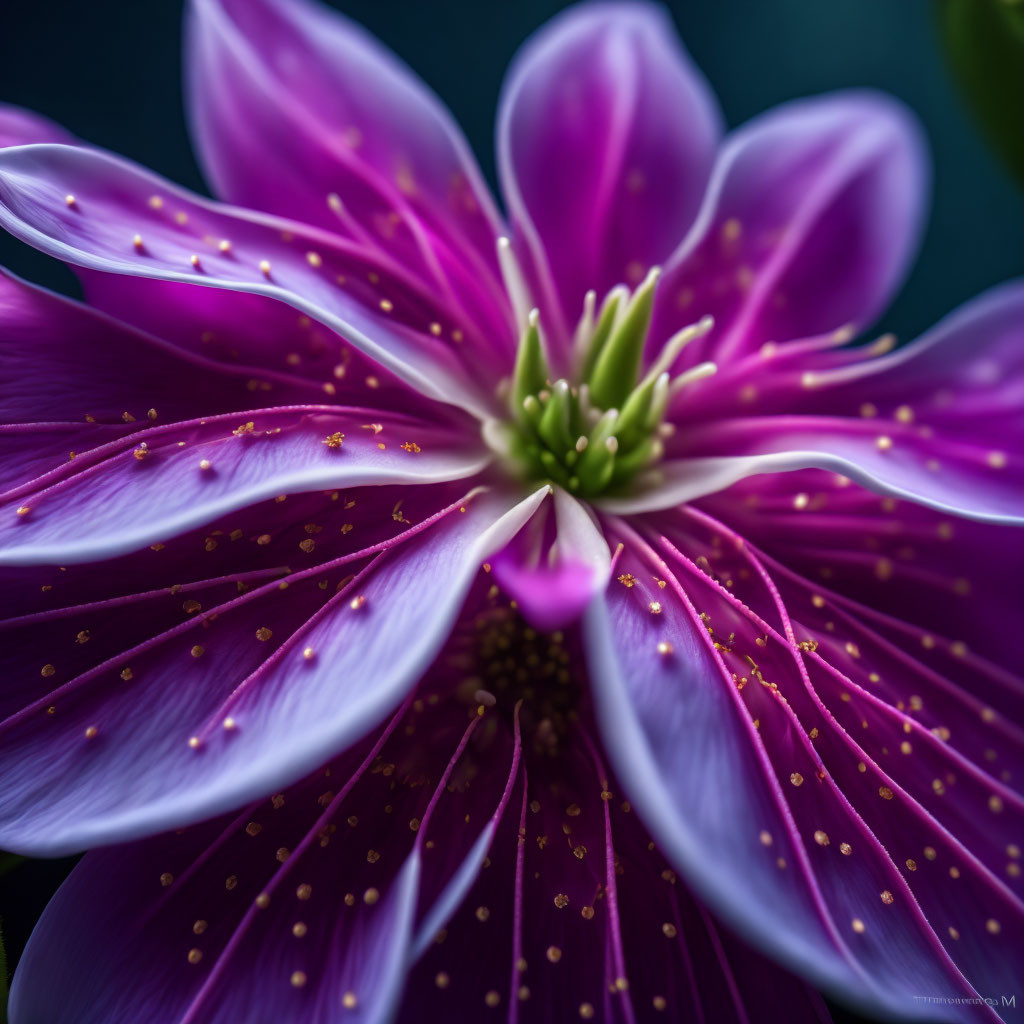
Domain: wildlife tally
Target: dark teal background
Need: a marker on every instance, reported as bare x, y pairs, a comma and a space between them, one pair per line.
109, 70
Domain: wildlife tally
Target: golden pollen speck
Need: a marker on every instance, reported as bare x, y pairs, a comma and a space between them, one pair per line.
911, 864
349, 1001
195, 955
887, 897
298, 978
554, 954
997, 460
166, 878
137, 242
797, 779
46, 671
194, 742
821, 838
314, 259
586, 1011
857, 925
224, 245
659, 1003
992, 926
357, 602
197, 651
229, 723
664, 648
194, 260
845, 849
441, 979
766, 838
386, 305
199, 927
587, 913
561, 901
668, 930
23, 510
91, 732
264, 634
885, 792
309, 654
883, 443
155, 202
371, 896
265, 268
655, 607
492, 998
299, 929
304, 891
263, 901
204, 464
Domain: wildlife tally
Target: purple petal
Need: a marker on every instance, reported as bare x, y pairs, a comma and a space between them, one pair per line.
20, 127
555, 565
242, 705
299, 112
766, 853
95, 211
303, 907
606, 134
163, 481
810, 220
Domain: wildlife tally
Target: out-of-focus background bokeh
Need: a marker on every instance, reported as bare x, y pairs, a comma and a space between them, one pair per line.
110, 71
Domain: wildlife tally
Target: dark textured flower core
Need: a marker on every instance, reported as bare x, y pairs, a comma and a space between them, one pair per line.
601, 431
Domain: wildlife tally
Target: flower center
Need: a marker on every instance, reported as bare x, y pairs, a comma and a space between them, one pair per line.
602, 430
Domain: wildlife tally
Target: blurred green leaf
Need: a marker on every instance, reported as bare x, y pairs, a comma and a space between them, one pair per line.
985, 43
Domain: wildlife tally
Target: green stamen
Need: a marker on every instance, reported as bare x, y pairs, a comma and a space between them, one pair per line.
599, 432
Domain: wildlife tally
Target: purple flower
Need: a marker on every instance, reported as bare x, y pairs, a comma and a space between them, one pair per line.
508, 578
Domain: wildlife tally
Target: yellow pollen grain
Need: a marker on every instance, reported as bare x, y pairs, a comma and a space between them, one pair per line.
299, 929
371, 896
229, 723
357, 602
857, 925
992, 926
195, 955
204, 464
554, 954
304, 891
349, 1001
655, 607
265, 268
492, 998
796, 779
845, 849
883, 443
166, 879
70, 200
194, 742
561, 901
387, 305
441, 979
997, 460
669, 930
314, 259
298, 978
197, 651
821, 838
199, 927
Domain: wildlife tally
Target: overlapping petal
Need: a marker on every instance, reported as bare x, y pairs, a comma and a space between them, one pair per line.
306, 906
19, 127
853, 773
811, 216
275, 684
96, 211
298, 111
606, 134
163, 481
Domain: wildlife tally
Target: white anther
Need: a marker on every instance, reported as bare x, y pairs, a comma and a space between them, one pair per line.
695, 373
679, 341
581, 443
584, 329
612, 444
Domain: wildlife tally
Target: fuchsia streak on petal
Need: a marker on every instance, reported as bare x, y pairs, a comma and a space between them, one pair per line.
854, 951
300, 112
848, 705
553, 569
20, 127
123, 220
127, 770
165, 480
62, 361
810, 219
304, 906
606, 134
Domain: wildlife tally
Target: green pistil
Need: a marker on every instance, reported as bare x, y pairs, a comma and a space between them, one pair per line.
596, 433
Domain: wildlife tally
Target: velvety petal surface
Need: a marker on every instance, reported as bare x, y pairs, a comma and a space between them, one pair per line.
163, 481
20, 127
98, 212
305, 906
869, 797
298, 111
555, 564
606, 133
938, 421
238, 695
811, 216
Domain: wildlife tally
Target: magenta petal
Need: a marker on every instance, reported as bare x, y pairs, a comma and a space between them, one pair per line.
304, 907
555, 565
242, 706
162, 481
810, 220
300, 112
95, 211
20, 127
765, 851
606, 133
